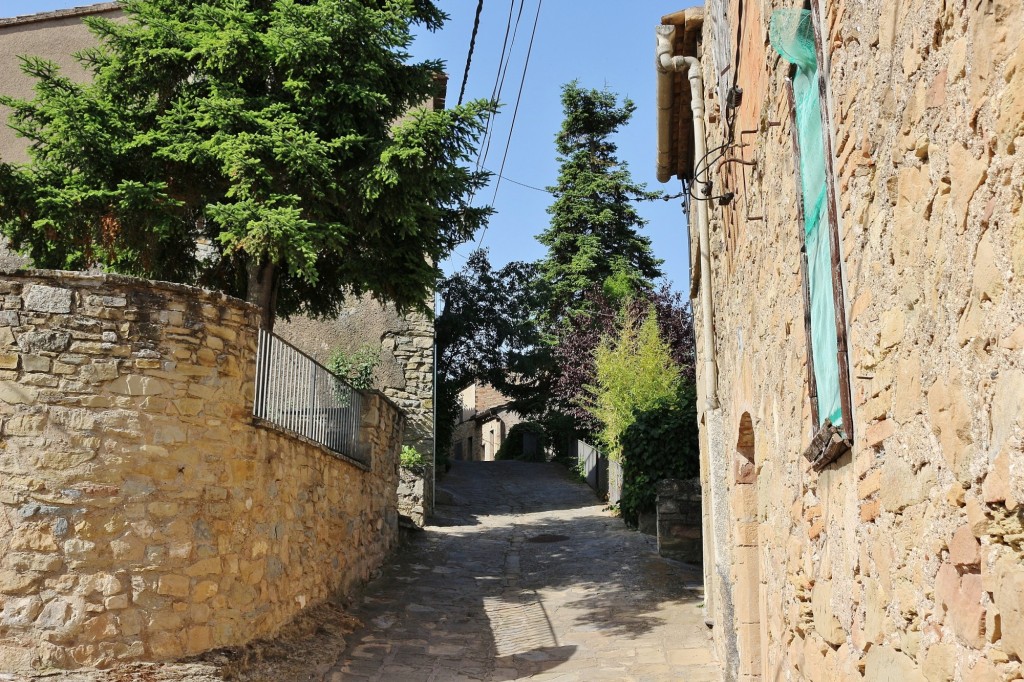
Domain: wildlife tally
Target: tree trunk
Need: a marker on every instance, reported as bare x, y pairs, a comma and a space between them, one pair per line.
262, 290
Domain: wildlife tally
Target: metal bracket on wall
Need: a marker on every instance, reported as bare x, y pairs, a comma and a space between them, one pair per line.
743, 162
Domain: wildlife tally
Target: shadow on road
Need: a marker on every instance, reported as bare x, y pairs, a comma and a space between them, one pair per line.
524, 574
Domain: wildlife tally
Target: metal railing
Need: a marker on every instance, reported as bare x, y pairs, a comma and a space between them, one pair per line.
297, 393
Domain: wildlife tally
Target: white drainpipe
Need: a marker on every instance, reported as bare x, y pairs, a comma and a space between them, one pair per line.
667, 65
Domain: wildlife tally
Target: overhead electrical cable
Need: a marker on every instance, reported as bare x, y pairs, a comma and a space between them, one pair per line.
472, 44
499, 81
515, 112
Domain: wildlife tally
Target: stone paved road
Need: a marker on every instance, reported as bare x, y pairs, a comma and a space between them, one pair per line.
528, 578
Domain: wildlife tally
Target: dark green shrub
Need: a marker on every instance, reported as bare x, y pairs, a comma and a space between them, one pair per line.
660, 443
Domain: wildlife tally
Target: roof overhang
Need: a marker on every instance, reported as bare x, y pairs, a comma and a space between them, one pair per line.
675, 118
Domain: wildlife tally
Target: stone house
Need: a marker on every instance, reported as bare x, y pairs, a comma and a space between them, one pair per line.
855, 172
406, 341
484, 422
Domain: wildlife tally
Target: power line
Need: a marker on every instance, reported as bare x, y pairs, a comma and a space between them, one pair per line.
660, 197
515, 112
499, 81
472, 44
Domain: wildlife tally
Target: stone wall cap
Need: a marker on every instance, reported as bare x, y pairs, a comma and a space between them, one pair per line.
97, 279
69, 13
383, 396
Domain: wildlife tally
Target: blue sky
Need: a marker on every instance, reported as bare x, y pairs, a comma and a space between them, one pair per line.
601, 43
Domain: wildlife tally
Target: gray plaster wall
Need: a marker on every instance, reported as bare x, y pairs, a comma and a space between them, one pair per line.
56, 36
406, 341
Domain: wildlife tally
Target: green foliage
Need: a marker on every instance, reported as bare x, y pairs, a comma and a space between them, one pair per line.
559, 430
513, 447
661, 443
411, 458
487, 329
249, 146
487, 332
593, 240
356, 368
448, 410
647, 412
635, 374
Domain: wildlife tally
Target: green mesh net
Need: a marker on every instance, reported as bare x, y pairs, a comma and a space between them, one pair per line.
792, 37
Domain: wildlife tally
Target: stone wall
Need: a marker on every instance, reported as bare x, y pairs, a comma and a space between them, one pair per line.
406, 342
144, 514
679, 520
903, 558
416, 493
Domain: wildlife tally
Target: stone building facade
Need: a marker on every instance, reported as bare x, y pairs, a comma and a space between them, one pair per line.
902, 558
483, 423
144, 512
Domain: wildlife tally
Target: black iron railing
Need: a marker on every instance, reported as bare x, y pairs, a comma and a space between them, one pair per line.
297, 393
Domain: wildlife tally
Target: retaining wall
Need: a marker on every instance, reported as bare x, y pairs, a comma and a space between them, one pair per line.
143, 513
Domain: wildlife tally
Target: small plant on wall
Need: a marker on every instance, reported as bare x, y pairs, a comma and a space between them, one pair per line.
412, 459
356, 368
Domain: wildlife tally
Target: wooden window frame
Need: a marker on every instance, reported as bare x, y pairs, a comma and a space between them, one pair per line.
829, 442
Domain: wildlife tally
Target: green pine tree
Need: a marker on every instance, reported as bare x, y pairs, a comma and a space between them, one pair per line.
255, 146
593, 240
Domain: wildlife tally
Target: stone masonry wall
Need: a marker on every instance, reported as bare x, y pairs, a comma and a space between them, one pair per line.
406, 370
143, 514
679, 520
904, 559
416, 493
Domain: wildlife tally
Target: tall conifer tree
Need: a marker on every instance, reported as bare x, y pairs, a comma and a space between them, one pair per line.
255, 146
593, 239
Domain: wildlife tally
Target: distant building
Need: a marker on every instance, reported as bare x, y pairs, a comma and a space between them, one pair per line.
484, 422
855, 173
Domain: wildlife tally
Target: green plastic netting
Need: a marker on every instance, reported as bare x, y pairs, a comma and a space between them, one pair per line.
792, 37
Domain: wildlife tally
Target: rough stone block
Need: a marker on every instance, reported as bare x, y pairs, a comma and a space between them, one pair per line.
886, 664
44, 341
826, 624
1009, 599
964, 549
134, 384
17, 582
47, 299
173, 585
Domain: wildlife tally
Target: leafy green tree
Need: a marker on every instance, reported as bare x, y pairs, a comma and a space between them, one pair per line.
593, 240
255, 146
487, 331
645, 403
580, 336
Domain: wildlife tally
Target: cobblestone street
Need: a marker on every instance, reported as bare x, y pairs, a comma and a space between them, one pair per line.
527, 577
